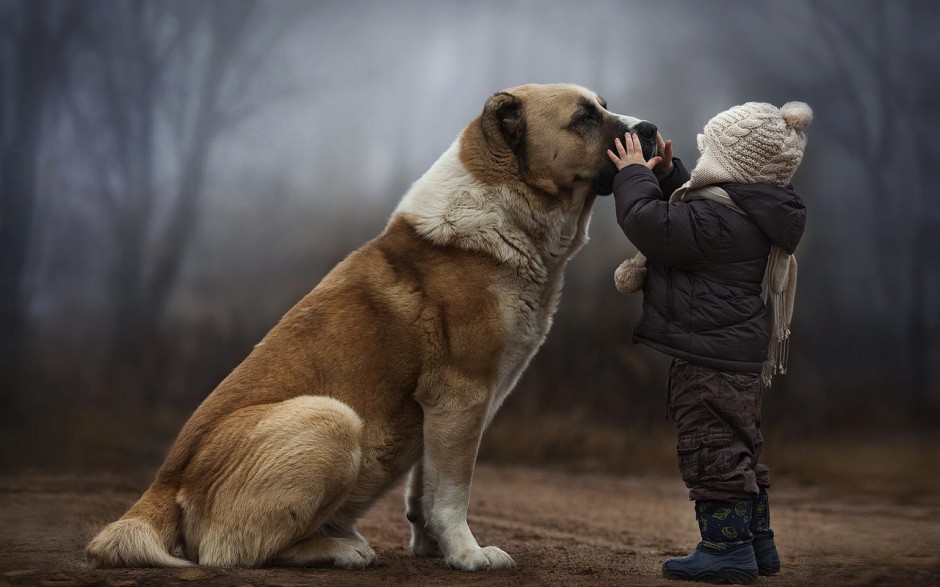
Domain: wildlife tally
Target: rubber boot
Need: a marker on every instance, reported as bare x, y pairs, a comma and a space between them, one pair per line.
725, 554
765, 551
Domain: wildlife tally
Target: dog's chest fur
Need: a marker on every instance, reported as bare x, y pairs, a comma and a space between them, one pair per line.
450, 208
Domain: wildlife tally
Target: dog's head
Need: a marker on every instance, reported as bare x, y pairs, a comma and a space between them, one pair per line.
558, 135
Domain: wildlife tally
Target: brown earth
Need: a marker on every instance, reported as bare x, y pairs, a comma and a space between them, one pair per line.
561, 528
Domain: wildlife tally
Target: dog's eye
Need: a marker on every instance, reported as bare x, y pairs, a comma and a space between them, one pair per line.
586, 119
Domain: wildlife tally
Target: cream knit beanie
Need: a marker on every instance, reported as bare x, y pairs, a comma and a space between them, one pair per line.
753, 142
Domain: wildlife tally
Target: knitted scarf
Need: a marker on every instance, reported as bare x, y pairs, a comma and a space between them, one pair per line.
778, 289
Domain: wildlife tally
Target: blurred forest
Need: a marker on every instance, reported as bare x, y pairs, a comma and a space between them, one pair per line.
174, 175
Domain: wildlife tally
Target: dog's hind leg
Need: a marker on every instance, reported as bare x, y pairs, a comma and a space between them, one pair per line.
337, 543
330, 551
269, 477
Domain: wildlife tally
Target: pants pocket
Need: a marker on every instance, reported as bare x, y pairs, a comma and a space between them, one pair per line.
716, 453
703, 455
689, 446
739, 398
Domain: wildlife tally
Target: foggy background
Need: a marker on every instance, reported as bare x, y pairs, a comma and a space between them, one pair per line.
176, 174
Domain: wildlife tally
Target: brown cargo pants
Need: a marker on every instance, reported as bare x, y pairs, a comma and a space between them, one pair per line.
717, 416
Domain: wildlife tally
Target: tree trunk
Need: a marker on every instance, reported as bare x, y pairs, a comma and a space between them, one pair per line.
146, 284
34, 63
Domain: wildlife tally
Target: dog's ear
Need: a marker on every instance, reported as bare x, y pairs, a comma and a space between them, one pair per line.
503, 122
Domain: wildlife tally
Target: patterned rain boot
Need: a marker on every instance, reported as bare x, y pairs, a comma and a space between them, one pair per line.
765, 551
725, 554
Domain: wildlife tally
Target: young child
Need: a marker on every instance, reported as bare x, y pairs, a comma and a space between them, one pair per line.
728, 231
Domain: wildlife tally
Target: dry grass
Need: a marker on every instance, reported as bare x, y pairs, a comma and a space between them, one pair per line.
903, 466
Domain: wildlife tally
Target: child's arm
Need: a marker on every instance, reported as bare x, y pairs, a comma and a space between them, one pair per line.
673, 180
670, 173
664, 232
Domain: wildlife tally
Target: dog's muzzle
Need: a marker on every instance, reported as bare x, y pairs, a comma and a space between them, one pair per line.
646, 131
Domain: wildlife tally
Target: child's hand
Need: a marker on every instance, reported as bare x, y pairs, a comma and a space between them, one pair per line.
633, 153
665, 149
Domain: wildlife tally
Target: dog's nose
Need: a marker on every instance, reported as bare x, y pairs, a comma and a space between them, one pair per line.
646, 130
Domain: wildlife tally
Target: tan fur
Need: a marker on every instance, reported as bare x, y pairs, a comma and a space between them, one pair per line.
396, 361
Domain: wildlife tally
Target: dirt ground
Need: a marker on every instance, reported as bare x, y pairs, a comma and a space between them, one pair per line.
561, 528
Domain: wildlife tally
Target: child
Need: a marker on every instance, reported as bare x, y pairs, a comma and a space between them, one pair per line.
728, 231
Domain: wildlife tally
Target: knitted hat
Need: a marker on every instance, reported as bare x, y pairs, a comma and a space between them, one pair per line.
751, 143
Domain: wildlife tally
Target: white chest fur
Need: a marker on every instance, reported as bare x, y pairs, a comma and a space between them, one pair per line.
448, 206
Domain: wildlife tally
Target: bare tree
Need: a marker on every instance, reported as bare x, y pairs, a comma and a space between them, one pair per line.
881, 73
35, 36
161, 82
866, 66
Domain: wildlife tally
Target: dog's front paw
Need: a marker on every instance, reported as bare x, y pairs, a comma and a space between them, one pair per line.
423, 544
488, 558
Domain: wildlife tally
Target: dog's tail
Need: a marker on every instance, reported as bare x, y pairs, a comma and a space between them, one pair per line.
144, 537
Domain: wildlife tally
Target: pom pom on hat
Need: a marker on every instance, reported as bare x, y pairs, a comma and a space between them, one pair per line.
631, 275
797, 115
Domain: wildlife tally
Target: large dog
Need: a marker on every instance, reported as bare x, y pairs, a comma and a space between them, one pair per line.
395, 362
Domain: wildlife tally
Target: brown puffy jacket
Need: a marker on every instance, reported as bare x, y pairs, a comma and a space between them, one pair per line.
706, 261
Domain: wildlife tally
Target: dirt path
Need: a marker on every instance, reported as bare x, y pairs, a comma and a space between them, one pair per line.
562, 529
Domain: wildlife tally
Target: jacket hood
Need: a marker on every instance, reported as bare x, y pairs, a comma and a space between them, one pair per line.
778, 210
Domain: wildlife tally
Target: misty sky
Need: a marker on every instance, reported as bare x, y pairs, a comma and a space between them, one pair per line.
353, 100
381, 89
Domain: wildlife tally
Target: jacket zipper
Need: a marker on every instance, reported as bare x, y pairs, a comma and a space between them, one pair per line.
670, 286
